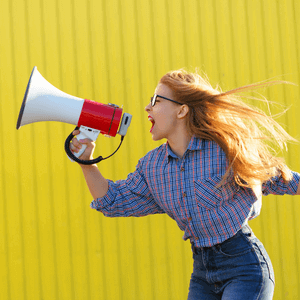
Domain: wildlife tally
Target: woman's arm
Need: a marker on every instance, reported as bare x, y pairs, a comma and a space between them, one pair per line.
278, 186
130, 197
96, 183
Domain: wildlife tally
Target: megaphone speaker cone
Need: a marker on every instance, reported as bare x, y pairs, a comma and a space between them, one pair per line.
44, 102
24, 100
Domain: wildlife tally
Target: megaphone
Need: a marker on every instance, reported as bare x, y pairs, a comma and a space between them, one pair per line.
44, 102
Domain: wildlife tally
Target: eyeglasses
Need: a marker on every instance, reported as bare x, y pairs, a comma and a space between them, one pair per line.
153, 99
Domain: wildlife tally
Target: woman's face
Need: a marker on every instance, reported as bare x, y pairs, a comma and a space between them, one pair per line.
163, 115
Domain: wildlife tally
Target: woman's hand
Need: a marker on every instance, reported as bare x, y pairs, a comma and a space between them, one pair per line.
76, 145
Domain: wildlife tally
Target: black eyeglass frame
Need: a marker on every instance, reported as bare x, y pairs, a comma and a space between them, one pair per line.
153, 99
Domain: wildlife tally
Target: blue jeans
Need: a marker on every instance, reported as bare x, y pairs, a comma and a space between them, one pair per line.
237, 269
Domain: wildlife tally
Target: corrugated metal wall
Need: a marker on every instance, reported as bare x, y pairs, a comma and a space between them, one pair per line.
52, 245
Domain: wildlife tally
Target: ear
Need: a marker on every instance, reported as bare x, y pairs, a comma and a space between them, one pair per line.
182, 113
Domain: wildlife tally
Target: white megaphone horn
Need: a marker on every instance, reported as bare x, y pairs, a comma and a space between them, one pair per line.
44, 102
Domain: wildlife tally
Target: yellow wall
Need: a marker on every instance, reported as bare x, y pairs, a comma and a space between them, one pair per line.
52, 245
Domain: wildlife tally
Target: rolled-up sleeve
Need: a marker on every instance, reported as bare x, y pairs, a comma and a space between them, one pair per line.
278, 186
130, 197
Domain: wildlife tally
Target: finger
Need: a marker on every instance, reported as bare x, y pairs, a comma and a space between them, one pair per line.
76, 143
75, 132
74, 149
85, 141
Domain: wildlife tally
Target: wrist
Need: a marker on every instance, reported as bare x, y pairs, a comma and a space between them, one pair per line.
88, 167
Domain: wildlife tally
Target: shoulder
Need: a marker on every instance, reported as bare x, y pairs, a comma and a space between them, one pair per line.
155, 153
212, 147
211, 159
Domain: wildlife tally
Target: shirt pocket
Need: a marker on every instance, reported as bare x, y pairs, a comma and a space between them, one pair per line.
207, 194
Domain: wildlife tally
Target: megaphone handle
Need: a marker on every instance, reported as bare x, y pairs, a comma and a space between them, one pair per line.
72, 157
85, 133
80, 136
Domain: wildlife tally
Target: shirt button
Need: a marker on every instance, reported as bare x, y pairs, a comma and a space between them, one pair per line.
196, 238
182, 169
184, 194
190, 218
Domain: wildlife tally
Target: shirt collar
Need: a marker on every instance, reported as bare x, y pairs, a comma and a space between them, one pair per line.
194, 144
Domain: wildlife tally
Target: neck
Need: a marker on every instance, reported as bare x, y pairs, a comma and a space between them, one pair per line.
179, 143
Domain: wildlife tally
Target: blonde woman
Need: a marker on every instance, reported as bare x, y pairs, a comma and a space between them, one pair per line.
209, 177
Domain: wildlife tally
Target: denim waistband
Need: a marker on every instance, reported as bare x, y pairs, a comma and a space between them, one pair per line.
244, 229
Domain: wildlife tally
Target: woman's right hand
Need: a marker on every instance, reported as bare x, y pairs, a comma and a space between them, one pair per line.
76, 145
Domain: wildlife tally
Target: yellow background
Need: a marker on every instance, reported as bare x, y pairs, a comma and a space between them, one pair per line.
52, 245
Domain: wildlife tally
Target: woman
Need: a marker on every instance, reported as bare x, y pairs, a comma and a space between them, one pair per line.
208, 177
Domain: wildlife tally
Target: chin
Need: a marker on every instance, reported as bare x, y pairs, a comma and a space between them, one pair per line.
156, 137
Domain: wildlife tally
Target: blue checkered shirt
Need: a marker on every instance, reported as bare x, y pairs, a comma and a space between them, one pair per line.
185, 189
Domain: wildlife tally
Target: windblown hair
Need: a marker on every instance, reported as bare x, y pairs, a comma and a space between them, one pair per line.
244, 133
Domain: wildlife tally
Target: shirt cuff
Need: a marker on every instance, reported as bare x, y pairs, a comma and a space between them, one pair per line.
277, 186
106, 200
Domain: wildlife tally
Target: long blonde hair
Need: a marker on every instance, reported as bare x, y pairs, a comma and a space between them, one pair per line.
243, 132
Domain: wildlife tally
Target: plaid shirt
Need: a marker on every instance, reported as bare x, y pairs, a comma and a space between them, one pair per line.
185, 189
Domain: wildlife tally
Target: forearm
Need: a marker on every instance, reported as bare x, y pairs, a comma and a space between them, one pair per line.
298, 190
96, 183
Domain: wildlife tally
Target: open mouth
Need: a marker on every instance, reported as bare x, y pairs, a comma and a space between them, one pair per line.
152, 121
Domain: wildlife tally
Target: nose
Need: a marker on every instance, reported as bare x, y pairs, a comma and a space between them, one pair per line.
148, 107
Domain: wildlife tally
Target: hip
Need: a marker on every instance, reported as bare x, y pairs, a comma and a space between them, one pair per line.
241, 255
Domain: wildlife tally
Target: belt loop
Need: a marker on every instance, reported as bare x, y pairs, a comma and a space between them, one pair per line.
246, 229
194, 249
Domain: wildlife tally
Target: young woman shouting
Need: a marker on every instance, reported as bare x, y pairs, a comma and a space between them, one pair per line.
209, 177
